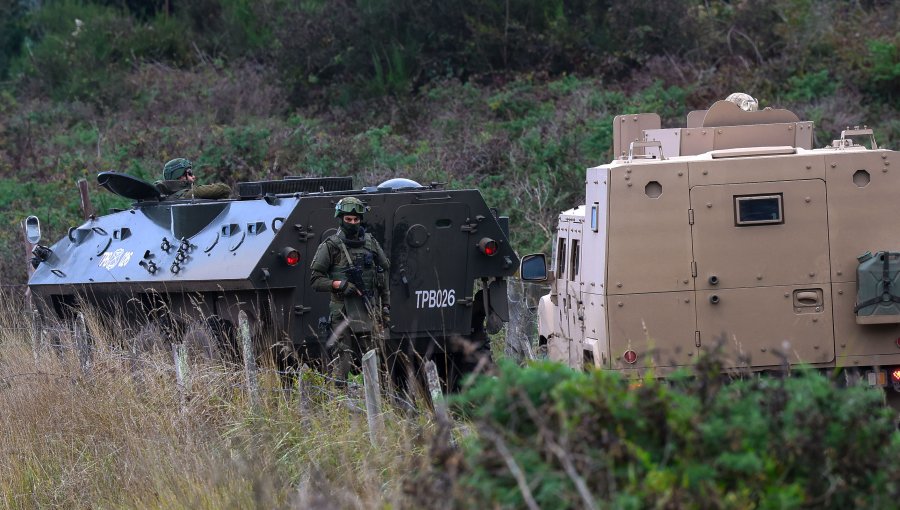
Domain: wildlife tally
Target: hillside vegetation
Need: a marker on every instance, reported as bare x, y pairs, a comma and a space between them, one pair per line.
515, 97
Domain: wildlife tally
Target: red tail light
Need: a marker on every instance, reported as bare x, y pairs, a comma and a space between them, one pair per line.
488, 246
895, 375
291, 256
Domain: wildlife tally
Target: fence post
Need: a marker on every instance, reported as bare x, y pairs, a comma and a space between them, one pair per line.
87, 210
373, 396
179, 356
134, 366
250, 370
37, 334
303, 396
437, 396
82, 346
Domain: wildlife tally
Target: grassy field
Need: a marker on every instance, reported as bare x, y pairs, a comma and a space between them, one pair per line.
123, 434
116, 430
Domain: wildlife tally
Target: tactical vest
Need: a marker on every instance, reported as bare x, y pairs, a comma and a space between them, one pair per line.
354, 307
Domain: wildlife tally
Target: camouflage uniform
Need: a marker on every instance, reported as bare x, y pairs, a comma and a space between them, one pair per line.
175, 186
178, 190
363, 314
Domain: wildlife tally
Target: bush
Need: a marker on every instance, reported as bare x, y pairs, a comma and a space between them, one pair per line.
883, 66
760, 442
12, 33
810, 87
81, 50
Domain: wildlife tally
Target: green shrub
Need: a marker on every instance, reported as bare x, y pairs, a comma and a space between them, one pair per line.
81, 50
236, 153
810, 86
883, 66
691, 442
56, 204
12, 33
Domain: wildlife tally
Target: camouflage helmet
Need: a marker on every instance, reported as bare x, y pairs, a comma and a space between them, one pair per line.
175, 168
349, 205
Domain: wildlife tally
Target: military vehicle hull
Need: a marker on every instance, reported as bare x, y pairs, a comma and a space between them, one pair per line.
185, 260
733, 235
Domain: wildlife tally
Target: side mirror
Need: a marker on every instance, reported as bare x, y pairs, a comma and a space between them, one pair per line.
533, 268
33, 229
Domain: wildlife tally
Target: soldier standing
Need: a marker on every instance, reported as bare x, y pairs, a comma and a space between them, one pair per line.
352, 266
178, 183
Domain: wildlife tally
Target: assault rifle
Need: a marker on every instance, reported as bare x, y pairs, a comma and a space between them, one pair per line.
354, 276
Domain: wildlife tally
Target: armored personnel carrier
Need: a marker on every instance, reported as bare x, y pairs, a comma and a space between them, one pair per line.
730, 233
209, 259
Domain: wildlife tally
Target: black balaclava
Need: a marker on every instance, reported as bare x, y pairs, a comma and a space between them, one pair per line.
351, 231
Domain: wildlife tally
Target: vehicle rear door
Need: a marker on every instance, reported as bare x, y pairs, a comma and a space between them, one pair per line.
430, 279
762, 259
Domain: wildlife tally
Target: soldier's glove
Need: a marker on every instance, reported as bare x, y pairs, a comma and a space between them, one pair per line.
348, 289
386, 317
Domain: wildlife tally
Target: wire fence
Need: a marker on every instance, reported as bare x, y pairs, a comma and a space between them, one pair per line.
302, 383
72, 341
522, 329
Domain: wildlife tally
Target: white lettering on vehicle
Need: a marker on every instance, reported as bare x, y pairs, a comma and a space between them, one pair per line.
439, 298
113, 259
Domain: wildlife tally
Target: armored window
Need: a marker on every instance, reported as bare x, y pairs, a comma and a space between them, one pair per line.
561, 257
576, 255
595, 216
758, 210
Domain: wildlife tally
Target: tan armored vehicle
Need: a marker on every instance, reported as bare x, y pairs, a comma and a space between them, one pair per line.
731, 232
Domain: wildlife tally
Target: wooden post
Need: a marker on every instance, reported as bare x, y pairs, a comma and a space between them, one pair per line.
179, 356
250, 370
303, 397
437, 396
134, 366
87, 210
373, 396
82, 346
37, 334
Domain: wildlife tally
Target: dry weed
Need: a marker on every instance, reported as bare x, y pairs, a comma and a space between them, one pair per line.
114, 429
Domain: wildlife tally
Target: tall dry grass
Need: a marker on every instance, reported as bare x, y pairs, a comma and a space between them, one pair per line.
121, 433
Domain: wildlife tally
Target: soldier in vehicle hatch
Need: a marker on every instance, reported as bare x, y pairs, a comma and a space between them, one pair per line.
352, 266
178, 183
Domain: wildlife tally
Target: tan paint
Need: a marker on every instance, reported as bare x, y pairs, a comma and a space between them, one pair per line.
792, 253
853, 339
760, 327
668, 220
861, 218
764, 168
651, 251
630, 128
659, 327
